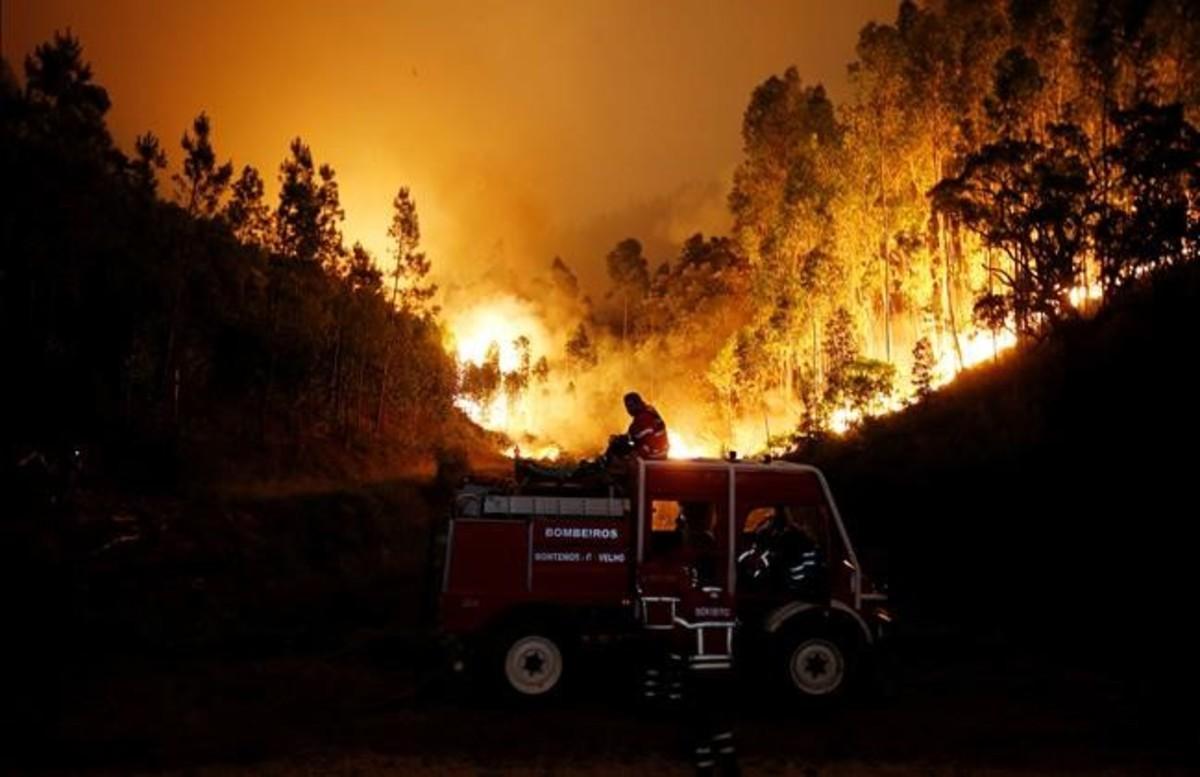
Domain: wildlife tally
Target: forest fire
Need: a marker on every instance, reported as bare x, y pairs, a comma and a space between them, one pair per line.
542, 453
313, 348
976, 348
491, 342
512, 382
683, 447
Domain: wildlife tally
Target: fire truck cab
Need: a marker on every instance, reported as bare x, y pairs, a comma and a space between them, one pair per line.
531, 574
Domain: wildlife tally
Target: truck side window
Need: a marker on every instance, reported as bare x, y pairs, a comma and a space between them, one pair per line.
784, 547
665, 537
675, 525
663, 514
756, 519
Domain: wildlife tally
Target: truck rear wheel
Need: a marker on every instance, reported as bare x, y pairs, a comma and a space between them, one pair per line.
533, 663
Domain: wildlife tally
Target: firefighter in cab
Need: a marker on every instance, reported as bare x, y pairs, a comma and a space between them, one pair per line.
647, 434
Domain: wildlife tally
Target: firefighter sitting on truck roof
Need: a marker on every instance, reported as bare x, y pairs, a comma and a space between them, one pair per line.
647, 434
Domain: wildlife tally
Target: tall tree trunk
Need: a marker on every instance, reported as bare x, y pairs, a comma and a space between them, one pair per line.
947, 299
268, 384
788, 368
883, 257
887, 302
396, 282
990, 273
354, 406
383, 380
1020, 296
173, 316
1105, 88
335, 368
956, 250
816, 345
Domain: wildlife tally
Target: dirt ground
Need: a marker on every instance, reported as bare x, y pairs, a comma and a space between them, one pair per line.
386, 709
368, 764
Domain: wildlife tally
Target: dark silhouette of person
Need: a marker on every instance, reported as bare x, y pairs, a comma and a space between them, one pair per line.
647, 433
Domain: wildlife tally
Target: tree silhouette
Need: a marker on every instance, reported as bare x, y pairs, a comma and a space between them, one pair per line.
149, 158
564, 278
1033, 202
923, 366
203, 182
581, 354
69, 106
146, 325
309, 215
630, 276
247, 214
1156, 159
409, 288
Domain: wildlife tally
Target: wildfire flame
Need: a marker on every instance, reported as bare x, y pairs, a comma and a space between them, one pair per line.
684, 448
496, 324
541, 453
976, 347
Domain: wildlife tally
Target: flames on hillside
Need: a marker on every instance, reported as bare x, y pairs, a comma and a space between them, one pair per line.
547, 409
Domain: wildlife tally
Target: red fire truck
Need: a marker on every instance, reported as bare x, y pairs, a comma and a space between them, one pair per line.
532, 573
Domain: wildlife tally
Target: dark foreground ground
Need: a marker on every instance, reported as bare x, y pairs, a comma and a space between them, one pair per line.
381, 707
381, 703
286, 633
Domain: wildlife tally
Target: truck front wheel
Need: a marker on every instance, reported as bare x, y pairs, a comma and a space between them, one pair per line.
533, 663
817, 665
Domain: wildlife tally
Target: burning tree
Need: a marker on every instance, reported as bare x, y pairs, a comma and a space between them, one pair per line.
1153, 219
852, 382
628, 270
481, 383
923, 365
581, 353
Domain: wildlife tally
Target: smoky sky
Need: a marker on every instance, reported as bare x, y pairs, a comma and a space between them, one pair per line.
525, 129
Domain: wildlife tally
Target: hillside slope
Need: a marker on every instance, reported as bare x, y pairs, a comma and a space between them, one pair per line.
1047, 501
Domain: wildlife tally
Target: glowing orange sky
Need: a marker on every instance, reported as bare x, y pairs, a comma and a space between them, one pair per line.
525, 129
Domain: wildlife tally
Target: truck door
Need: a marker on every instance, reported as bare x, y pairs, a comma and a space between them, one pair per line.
789, 544
684, 529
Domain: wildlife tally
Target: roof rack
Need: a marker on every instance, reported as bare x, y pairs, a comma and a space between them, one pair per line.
561, 506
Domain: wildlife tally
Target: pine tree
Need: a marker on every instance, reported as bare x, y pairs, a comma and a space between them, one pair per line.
203, 182
409, 287
247, 214
922, 368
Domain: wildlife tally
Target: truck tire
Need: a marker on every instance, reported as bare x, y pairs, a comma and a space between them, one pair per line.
532, 663
818, 665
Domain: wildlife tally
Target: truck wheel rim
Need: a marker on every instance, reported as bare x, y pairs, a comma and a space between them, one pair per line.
817, 667
533, 665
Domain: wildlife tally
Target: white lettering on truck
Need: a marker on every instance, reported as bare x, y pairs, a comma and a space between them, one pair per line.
581, 533
555, 556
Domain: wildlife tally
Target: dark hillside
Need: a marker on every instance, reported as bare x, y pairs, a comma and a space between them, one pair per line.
1049, 499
